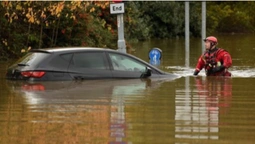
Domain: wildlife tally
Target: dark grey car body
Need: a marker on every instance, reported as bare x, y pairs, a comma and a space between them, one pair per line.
81, 63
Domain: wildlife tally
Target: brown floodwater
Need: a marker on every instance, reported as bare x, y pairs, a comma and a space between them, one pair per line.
183, 110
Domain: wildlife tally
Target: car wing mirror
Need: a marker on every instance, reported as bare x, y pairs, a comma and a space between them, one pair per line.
146, 73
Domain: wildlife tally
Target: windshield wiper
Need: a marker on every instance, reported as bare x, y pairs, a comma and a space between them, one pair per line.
21, 64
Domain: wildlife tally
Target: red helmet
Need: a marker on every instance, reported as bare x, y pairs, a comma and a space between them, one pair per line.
211, 39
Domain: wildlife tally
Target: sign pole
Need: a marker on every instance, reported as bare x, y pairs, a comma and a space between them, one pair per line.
118, 8
121, 40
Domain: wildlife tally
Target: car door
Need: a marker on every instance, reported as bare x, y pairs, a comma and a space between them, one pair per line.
89, 65
124, 66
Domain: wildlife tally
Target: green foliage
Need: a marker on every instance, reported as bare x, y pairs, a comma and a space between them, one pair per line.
163, 18
136, 24
166, 19
230, 17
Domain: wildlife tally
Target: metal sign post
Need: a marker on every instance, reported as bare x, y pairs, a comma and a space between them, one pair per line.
118, 8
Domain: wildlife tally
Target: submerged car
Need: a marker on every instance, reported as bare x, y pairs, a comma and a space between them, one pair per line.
79, 63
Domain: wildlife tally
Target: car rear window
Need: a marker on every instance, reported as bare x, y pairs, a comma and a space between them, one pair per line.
32, 59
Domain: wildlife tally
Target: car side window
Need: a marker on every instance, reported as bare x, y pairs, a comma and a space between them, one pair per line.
92, 60
125, 63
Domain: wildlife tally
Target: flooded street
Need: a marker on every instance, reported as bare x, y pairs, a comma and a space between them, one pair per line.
186, 110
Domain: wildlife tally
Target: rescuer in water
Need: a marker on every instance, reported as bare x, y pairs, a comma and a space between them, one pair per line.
215, 61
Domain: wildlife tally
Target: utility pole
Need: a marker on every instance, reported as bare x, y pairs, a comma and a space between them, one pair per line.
203, 30
187, 34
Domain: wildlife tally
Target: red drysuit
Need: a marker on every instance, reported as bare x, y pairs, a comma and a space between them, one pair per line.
215, 62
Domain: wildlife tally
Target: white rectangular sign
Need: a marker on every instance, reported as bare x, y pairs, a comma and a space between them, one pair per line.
117, 8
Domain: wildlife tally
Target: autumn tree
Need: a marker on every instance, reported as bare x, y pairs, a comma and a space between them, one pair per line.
40, 24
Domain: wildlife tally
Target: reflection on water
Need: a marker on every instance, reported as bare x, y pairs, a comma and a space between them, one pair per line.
198, 110
94, 111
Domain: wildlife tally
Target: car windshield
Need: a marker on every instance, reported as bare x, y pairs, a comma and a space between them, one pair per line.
31, 59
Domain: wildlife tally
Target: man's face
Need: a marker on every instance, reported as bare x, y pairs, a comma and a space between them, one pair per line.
207, 45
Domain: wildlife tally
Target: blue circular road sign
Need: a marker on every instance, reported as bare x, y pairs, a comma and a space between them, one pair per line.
155, 54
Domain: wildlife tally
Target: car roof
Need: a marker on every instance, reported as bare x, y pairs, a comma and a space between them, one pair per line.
70, 49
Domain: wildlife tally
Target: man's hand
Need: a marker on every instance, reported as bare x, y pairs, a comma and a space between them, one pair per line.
217, 69
195, 72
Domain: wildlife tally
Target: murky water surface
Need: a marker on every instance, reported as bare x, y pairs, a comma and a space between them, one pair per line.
183, 110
